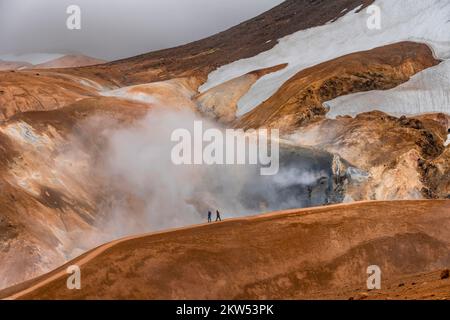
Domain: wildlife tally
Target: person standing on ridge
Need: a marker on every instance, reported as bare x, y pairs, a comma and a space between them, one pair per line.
218, 216
209, 216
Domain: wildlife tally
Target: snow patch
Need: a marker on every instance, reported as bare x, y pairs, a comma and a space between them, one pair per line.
423, 21
426, 92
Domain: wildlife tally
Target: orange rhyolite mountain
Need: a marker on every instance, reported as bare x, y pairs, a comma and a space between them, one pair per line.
58, 124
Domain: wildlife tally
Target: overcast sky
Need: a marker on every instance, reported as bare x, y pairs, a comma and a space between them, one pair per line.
112, 29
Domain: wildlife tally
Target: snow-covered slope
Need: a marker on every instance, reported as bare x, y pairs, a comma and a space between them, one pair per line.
428, 91
425, 21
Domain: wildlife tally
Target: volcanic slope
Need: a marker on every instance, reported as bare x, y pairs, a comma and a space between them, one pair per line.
425, 22
196, 59
317, 252
50, 188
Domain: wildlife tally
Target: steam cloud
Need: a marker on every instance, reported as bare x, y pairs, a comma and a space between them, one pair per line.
145, 191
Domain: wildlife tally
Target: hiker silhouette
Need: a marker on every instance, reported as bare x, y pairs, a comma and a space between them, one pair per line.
209, 216
218, 216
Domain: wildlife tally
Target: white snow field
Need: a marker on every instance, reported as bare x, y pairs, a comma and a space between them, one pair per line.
426, 92
425, 21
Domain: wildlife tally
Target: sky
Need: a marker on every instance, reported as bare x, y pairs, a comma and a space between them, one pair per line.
113, 29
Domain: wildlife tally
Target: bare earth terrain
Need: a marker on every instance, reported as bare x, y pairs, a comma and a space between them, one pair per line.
82, 164
310, 253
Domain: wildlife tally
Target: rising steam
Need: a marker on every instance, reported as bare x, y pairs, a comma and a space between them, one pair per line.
144, 191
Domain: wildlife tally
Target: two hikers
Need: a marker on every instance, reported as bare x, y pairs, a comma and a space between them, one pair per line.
218, 218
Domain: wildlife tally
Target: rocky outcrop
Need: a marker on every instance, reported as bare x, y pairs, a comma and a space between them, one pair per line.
393, 151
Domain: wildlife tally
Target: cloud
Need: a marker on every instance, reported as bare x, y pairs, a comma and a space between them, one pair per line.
113, 29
